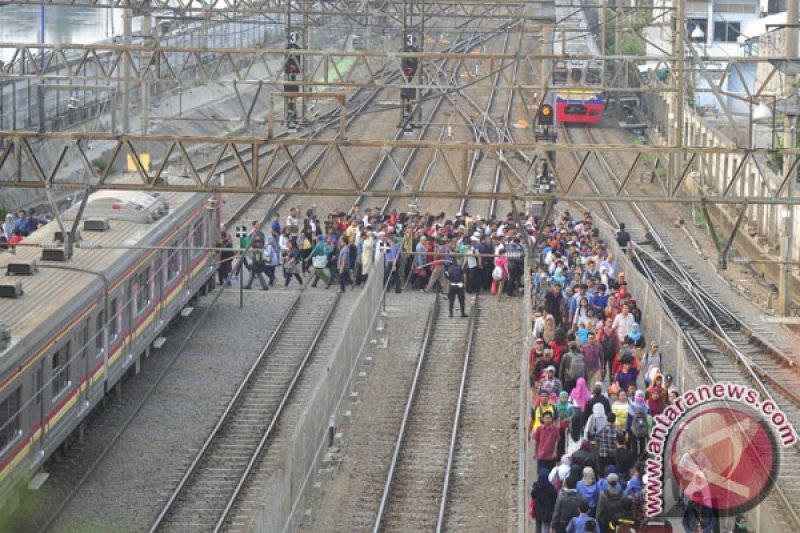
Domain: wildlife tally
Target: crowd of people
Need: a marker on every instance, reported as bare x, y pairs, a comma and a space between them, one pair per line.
16, 229
430, 253
595, 386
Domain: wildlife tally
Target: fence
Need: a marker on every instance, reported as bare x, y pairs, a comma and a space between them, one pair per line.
526, 312
307, 442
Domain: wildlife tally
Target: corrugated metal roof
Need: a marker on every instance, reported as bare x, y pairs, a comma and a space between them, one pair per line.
53, 289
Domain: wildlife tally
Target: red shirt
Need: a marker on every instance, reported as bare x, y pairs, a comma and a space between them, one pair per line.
15, 239
547, 438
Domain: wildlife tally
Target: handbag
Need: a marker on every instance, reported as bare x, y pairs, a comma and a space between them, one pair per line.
531, 509
497, 273
319, 261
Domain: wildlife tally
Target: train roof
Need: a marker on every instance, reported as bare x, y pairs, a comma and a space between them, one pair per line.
134, 218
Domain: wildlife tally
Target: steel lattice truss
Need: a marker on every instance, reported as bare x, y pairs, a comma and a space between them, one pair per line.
277, 170
433, 8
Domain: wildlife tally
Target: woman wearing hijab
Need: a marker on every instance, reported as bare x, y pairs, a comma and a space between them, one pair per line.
587, 487
564, 412
634, 336
580, 394
596, 422
549, 331
637, 412
560, 472
544, 497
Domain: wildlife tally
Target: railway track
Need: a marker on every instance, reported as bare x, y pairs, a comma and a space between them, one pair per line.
725, 348
417, 484
210, 486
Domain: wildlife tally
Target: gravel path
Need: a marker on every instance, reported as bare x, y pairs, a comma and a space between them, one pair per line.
125, 492
350, 498
483, 483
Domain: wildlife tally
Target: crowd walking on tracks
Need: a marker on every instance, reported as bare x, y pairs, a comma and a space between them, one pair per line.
452, 256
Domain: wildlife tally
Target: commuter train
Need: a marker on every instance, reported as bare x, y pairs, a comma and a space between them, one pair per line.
577, 81
70, 329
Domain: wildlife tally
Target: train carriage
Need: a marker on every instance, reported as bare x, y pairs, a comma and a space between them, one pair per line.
577, 79
77, 326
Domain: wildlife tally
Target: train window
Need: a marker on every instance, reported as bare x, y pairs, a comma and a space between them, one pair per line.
98, 334
197, 239
113, 323
173, 264
61, 370
143, 290
10, 423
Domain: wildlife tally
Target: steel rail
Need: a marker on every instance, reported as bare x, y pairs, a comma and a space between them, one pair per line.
406, 414
720, 336
222, 419
274, 420
228, 415
457, 418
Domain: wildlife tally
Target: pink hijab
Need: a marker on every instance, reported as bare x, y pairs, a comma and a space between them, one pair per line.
581, 394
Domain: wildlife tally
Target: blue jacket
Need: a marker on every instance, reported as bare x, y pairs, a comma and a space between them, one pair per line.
578, 525
634, 487
590, 492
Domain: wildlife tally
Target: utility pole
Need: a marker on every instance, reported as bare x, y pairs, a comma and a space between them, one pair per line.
144, 85
790, 140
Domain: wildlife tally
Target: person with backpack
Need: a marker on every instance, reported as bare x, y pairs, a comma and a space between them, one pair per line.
637, 427
543, 501
319, 260
271, 259
573, 367
624, 521
567, 506
583, 523
610, 502
257, 268
697, 518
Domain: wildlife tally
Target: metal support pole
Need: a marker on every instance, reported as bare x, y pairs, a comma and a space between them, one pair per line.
676, 121
790, 142
127, 20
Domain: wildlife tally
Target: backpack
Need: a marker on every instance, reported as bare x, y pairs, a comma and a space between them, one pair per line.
613, 506
497, 273
577, 366
639, 425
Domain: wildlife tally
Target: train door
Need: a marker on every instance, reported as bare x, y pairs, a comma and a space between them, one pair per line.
129, 295
38, 408
84, 365
159, 275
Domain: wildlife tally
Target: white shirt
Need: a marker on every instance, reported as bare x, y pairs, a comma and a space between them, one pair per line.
622, 325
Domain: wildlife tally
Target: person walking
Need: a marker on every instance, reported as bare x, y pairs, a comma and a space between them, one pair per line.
225, 258
257, 261
455, 281
343, 264
292, 265
567, 506
391, 275
544, 497
623, 238
319, 260
367, 255
546, 438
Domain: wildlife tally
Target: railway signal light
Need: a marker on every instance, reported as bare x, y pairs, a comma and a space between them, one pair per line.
545, 115
410, 66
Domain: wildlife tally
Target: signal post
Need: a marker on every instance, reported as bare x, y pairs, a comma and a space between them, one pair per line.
413, 40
